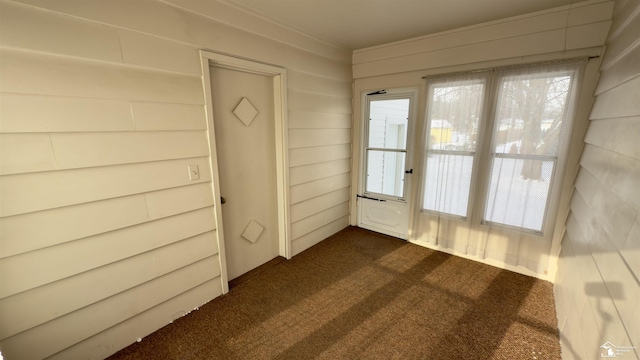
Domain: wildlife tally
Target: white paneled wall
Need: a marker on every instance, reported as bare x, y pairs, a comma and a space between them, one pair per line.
597, 287
102, 234
579, 26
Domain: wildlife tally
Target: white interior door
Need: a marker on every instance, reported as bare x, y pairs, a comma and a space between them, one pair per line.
383, 200
243, 117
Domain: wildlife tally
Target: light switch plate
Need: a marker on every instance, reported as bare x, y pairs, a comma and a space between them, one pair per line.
194, 173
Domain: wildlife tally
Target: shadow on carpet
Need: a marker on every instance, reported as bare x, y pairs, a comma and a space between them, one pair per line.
363, 295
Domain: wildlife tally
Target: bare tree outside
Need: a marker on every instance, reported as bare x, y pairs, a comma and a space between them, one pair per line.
534, 108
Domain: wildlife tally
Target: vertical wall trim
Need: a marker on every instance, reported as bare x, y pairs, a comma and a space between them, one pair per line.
282, 161
215, 178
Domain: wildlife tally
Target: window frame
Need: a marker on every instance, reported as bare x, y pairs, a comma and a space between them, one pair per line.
479, 77
485, 146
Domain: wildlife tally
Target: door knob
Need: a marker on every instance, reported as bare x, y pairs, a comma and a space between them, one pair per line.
222, 200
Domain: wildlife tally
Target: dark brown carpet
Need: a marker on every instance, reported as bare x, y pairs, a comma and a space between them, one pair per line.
362, 295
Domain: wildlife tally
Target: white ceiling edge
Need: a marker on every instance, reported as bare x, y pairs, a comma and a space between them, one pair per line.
266, 18
243, 19
484, 24
359, 24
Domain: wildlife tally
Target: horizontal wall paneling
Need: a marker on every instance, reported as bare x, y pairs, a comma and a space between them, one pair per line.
315, 188
312, 155
621, 70
85, 150
46, 114
616, 135
31, 73
318, 220
174, 23
618, 173
102, 112
53, 300
307, 173
317, 120
81, 324
60, 225
599, 263
314, 237
21, 194
307, 208
561, 29
237, 17
50, 264
109, 341
579, 14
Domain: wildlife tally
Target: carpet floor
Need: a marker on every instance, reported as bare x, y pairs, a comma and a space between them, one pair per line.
363, 295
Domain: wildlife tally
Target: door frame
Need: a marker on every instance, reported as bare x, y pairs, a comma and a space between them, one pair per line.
360, 128
279, 80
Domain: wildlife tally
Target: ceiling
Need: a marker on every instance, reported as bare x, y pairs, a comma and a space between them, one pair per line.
356, 24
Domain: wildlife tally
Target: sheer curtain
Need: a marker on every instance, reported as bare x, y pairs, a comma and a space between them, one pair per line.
494, 148
529, 133
455, 108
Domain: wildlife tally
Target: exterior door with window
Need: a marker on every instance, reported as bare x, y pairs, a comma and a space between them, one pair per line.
383, 201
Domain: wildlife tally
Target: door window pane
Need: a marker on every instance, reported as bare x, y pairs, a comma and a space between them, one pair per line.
385, 172
388, 120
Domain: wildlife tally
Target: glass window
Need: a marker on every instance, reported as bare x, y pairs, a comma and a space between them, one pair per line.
455, 107
529, 126
523, 143
449, 179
